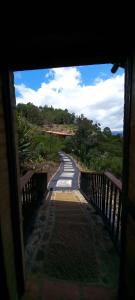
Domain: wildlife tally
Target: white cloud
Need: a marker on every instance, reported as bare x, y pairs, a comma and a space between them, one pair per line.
101, 102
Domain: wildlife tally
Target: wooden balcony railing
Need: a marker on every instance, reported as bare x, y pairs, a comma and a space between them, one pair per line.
104, 191
33, 188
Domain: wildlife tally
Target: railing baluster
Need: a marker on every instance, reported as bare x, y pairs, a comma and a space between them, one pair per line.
29, 190
88, 187
105, 193
101, 184
100, 191
118, 221
96, 190
114, 210
111, 198
106, 198
33, 187
94, 196
91, 187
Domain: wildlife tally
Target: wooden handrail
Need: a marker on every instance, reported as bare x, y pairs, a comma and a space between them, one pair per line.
104, 191
24, 179
92, 173
109, 175
114, 180
33, 189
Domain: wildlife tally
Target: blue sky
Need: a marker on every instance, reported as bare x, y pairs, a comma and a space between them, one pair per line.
91, 90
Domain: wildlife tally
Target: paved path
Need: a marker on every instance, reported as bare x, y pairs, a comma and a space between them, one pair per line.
67, 176
70, 243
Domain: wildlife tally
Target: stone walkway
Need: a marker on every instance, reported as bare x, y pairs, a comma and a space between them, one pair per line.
67, 176
70, 254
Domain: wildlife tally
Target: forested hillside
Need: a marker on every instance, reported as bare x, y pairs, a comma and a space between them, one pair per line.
45, 115
97, 149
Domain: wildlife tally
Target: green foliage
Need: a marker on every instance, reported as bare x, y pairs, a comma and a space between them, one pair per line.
45, 115
46, 147
107, 131
30, 112
105, 162
98, 150
24, 140
35, 147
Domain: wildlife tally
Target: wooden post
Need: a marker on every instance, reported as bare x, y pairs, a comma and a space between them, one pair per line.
8, 99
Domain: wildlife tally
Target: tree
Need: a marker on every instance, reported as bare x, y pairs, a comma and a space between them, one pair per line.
107, 131
24, 141
31, 112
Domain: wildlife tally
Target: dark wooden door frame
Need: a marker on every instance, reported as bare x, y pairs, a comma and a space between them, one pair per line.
11, 146
126, 147
7, 93
3, 280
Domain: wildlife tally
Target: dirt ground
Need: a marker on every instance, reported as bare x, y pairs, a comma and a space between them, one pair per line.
50, 167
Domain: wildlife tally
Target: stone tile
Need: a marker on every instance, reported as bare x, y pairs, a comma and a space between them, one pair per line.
64, 183
66, 159
68, 170
68, 167
69, 174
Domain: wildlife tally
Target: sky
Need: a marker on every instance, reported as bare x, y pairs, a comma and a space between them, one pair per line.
92, 91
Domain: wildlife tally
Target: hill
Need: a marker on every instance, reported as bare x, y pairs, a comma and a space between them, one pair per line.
99, 150
116, 132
